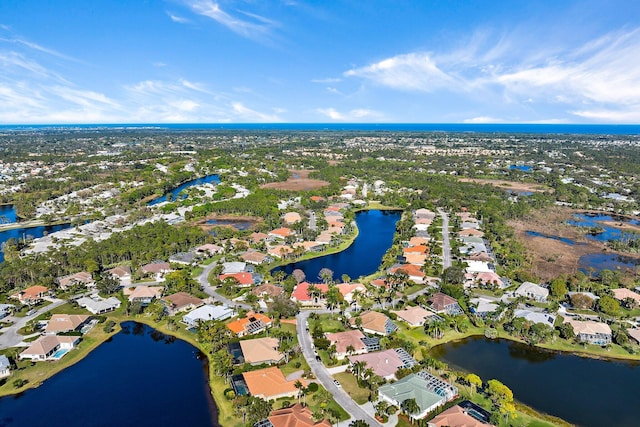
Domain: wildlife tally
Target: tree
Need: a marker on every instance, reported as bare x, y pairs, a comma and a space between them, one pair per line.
558, 288
410, 407
106, 284
257, 409
358, 423
298, 275
566, 331
326, 275
474, 381
222, 363
609, 305
581, 301
499, 392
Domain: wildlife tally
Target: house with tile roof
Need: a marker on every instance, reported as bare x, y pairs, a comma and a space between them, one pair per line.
252, 323
267, 291
425, 389
301, 294
374, 322
532, 291
590, 332
181, 301
255, 257
49, 347
384, 363
345, 340
121, 273
270, 383
281, 233
209, 249
31, 295
456, 416
156, 269
244, 279
443, 303
623, 293
60, 323
82, 278
291, 218
416, 316
143, 294
261, 350
295, 416
412, 271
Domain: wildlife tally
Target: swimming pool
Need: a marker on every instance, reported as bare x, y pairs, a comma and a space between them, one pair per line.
59, 353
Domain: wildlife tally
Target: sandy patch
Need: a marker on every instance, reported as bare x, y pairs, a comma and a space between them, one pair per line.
299, 181
508, 185
228, 221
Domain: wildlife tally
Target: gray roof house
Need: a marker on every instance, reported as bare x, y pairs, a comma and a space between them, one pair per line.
207, 312
5, 366
429, 391
532, 291
98, 305
536, 317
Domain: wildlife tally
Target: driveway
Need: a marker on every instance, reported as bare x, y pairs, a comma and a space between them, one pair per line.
10, 336
203, 279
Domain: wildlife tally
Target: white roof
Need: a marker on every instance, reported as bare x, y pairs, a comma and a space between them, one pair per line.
532, 288
234, 267
536, 317
478, 267
208, 312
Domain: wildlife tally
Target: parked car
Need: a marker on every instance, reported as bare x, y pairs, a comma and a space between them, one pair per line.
337, 383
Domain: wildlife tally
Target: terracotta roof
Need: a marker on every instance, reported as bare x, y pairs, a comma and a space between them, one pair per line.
65, 322
373, 321
31, 293
414, 315
253, 256
282, 232
379, 283
348, 288
588, 327
182, 299
46, 343
270, 383
280, 250
242, 278
258, 237
622, 293
440, 301
267, 289
471, 232
415, 258
261, 350
240, 326
301, 291
410, 269
415, 241
455, 417
145, 292
383, 363
79, 277
156, 267
292, 217
342, 340
120, 271
295, 416
211, 248
421, 249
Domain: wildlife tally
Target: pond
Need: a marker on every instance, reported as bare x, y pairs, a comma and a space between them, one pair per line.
140, 377
607, 261
8, 214
595, 221
209, 179
584, 391
29, 232
363, 257
549, 236
235, 223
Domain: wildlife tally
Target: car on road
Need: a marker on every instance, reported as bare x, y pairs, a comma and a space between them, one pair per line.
337, 383
30, 312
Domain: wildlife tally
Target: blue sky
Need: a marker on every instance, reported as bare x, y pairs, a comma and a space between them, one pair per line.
421, 61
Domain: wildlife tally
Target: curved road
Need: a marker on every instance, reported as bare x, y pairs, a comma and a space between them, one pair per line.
203, 278
446, 246
10, 336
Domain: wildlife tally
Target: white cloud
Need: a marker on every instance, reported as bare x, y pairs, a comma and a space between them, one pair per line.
483, 119
246, 114
326, 80
178, 19
630, 116
357, 114
257, 27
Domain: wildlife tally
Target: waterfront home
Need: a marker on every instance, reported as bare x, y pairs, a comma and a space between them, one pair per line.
417, 241
270, 384
157, 270
61, 323
143, 294
634, 334
81, 278
384, 363
455, 416
483, 306
252, 323
235, 267
31, 295
622, 294
49, 347
350, 290
243, 280
280, 251
293, 416
122, 273
255, 257
415, 258
590, 332
423, 213
98, 305
536, 317
416, 316
347, 343
181, 301
209, 249
267, 291
532, 291
5, 310
205, 313
429, 392
412, 271
374, 322
443, 303
5, 366
301, 294
261, 350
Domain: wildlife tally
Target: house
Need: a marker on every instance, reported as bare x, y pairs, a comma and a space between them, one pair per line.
252, 323
49, 347
424, 213
415, 258
60, 323
97, 305
374, 322
490, 278
532, 291
350, 290
5, 310
536, 317
412, 271
5, 366
383, 363
270, 384
429, 392
623, 293
281, 233
81, 278
156, 269
255, 257
590, 332
244, 279
184, 258
181, 301
258, 237
344, 341
417, 241
295, 416
205, 313
280, 251
455, 416
267, 291
121, 273
261, 350
301, 294
634, 334
291, 218
416, 316
442, 303
471, 232
234, 267
483, 306
209, 249
478, 267
31, 295
143, 294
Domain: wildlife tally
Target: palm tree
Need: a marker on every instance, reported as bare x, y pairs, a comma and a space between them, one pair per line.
410, 407
358, 423
298, 385
358, 367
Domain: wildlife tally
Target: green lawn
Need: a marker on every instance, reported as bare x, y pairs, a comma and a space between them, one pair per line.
350, 385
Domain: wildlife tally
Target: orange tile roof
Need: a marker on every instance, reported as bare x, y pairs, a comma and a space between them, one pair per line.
33, 292
455, 417
239, 326
421, 249
284, 232
243, 278
270, 383
295, 416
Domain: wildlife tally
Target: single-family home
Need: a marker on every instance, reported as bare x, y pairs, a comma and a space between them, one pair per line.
280, 251
291, 218
350, 290
209, 249
623, 293
31, 295
255, 257
5, 366
184, 258
244, 279
81, 278
98, 305
143, 294
429, 392
532, 291
536, 317
270, 384
5, 310
373, 322
49, 347
443, 303
590, 332
252, 323
634, 334
156, 269
205, 313
416, 316
483, 307
258, 237
281, 233
347, 343
295, 416
122, 273
267, 291
235, 267
181, 301
456, 416
60, 323
471, 232
384, 363
412, 271
261, 350
301, 293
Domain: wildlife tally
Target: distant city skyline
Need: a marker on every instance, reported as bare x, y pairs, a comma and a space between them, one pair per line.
246, 61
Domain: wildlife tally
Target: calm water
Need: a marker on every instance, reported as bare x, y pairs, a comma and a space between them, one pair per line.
139, 378
363, 257
237, 224
588, 392
209, 179
522, 168
35, 232
596, 220
8, 214
548, 236
607, 261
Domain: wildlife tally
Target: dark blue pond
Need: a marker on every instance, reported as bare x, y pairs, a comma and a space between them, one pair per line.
548, 236
139, 378
522, 168
27, 233
607, 261
363, 257
596, 221
238, 225
584, 391
209, 179
7, 214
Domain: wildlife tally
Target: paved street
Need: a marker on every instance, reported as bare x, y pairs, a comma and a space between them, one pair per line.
209, 290
446, 246
10, 336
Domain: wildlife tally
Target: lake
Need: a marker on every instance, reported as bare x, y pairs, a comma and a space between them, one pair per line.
585, 391
363, 257
599, 221
209, 179
8, 214
35, 232
607, 261
140, 378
